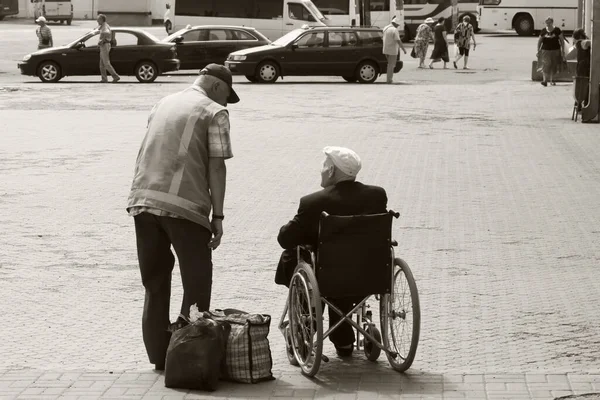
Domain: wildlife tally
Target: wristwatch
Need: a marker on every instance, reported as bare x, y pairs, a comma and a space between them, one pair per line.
221, 217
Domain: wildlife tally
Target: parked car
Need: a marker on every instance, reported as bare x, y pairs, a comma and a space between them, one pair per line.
134, 52
199, 46
356, 54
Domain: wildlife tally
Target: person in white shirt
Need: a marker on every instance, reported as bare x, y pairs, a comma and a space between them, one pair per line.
167, 19
391, 47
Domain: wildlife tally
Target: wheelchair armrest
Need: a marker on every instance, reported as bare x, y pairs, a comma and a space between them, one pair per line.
394, 243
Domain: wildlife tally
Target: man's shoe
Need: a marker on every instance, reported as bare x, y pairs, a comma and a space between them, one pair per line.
117, 79
344, 351
455, 66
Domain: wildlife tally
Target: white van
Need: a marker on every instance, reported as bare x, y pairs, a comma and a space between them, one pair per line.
54, 10
272, 18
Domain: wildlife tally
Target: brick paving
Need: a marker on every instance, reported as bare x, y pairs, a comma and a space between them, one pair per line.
499, 223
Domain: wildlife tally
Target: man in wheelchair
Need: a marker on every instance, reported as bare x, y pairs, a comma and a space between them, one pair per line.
341, 195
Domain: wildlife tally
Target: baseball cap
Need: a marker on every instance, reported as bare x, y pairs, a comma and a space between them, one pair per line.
223, 73
345, 159
41, 19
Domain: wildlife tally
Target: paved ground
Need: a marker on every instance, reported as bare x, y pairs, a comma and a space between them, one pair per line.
496, 186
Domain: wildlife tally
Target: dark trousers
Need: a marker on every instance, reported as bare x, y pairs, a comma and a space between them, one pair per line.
155, 235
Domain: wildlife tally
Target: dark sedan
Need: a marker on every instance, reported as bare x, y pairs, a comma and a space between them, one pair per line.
356, 54
199, 46
134, 52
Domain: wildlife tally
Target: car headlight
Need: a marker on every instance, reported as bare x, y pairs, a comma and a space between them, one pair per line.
27, 57
238, 58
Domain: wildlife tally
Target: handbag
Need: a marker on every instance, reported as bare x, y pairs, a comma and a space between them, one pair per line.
247, 355
413, 53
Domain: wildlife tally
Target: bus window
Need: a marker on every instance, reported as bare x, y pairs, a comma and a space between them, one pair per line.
333, 7
299, 12
380, 5
266, 9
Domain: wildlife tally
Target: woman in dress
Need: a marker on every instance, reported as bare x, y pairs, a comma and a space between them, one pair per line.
550, 51
440, 44
422, 38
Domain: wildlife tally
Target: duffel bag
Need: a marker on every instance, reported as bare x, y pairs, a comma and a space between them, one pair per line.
195, 355
247, 355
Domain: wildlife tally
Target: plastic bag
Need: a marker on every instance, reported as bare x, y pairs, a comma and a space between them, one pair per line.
196, 354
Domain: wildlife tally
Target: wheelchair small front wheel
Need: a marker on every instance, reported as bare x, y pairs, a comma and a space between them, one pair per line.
400, 315
306, 319
371, 350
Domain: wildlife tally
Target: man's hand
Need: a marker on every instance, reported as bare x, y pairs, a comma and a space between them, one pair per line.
474, 46
404, 50
217, 231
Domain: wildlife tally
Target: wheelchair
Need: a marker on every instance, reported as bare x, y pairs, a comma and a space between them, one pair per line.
355, 258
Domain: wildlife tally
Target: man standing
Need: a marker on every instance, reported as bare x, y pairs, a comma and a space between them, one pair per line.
179, 177
104, 43
44, 34
462, 37
341, 195
391, 47
167, 19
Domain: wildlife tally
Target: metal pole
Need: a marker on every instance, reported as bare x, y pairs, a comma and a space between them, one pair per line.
588, 14
590, 112
580, 12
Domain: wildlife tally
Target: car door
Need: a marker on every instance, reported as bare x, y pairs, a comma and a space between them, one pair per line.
220, 43
125, 52
341, 53
82, 61
306, 55
63, 8
191, 51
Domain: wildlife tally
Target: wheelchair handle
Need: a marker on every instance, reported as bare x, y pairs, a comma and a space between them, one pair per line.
394, 214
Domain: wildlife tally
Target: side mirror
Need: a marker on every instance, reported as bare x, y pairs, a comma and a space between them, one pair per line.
179, 39
79, 46
311, 18
294, 46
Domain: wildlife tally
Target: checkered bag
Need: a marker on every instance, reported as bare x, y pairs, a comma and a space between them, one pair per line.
247, 355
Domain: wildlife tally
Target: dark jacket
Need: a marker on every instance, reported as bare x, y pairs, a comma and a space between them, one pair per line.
344, 198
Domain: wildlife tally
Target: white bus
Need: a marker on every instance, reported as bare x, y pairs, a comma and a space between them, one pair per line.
272, 18
527, 16
361, 12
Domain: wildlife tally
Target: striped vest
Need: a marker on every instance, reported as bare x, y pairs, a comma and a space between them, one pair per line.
171, 171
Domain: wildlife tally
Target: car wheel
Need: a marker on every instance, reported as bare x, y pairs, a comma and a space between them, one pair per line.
252, 78
49, 72
350, 79
524, 25
146, 72
69, 21
367, 72
267, 72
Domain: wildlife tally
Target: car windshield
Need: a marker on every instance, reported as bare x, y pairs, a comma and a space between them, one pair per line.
174, 35
314, 10
83, 38
288, 37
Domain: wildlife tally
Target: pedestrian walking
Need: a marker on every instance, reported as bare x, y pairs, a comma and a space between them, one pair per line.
391, 47
550, 51
167, 19
422, 38
179, 177
463, 35
43, 33
440, 44
105, 44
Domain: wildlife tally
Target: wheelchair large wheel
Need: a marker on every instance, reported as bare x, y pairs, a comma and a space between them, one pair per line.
306, 320
400, 315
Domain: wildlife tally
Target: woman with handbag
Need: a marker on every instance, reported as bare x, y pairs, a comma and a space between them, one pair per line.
422, 38
551, 51
44, 34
